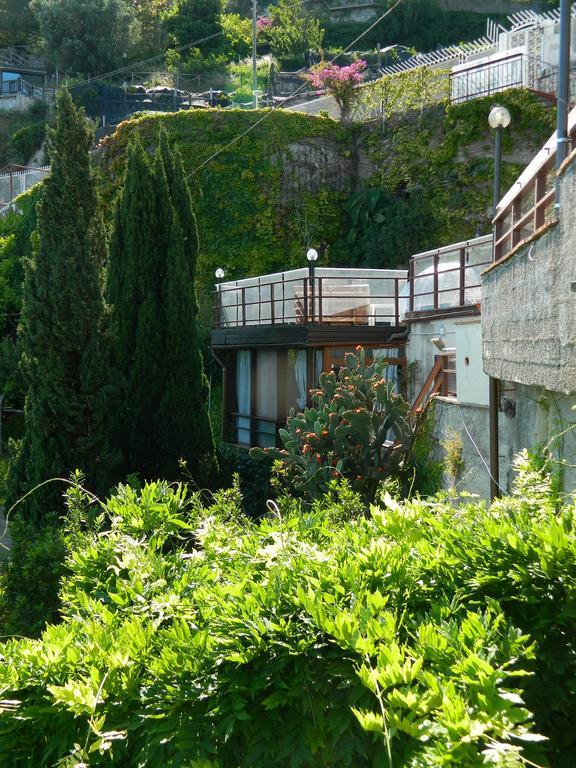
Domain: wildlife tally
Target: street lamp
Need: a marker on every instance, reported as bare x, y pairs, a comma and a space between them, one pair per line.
498, 119
389, 49
312, 257
219, 274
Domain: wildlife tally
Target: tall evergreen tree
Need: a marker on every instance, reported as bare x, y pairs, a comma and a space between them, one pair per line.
151, 289
61, 324
186, 385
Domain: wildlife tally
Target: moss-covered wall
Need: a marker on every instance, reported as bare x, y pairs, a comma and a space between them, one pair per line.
262, 201
370, 194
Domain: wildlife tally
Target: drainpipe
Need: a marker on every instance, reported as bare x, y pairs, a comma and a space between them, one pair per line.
562, 137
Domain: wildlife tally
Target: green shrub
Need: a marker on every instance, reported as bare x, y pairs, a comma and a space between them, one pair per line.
25, 142
31, 576
417, 637
254, 477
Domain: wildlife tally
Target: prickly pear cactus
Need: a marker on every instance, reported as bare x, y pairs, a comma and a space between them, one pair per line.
358, 429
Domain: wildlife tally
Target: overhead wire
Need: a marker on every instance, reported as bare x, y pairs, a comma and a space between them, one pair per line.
142, 62
136, 64
289, 98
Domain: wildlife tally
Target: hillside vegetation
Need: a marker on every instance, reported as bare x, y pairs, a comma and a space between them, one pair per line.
416, 636
367, 195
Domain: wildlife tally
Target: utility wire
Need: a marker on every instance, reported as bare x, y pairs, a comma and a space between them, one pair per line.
292, 96
129, 67
136, 64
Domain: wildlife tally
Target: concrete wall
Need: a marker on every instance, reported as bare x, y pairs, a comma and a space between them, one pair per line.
471, 423
529, 344
529, 306
533, 418
16, 102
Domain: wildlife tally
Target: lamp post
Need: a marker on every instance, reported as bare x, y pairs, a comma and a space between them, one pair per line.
499, 118
219, 275
254, 54
312, 257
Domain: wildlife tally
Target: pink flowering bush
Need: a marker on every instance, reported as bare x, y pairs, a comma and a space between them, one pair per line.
264, 23
339, 82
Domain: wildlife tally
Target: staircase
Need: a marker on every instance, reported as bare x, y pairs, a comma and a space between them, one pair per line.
437, 383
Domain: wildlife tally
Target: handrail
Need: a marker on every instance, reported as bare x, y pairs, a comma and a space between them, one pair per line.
529, 205
431, 386
437, 383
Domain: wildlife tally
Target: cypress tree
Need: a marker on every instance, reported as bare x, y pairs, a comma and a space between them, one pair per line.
183, 407
140, 240
151, 289
61, 324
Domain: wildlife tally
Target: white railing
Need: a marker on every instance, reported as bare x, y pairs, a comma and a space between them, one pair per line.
15, 182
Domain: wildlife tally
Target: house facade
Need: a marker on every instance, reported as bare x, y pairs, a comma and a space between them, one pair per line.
275, 334
529, 312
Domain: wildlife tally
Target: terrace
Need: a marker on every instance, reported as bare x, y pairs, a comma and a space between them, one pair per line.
275, 334
443, 280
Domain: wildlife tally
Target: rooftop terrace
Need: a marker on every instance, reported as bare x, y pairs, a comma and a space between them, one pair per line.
445, 279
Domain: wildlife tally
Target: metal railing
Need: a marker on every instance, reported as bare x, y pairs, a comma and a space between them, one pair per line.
529, 204
17, 181
14, 87
292, 298
487, 78
449, 277
446, 278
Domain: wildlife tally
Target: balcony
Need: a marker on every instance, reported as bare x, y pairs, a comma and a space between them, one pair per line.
527, 209
446, 280
332, 297
492, 75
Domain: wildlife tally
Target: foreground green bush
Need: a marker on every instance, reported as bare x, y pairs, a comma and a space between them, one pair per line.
419, 636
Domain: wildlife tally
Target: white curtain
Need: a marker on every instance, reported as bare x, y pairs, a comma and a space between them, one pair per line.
243, 396
391, 371
300, 367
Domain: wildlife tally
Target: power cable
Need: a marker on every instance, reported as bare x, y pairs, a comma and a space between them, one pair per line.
136, 64
289, 98
129, 67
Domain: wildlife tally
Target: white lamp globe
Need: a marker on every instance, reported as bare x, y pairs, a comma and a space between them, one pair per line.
499, 117
312, 254
219, 273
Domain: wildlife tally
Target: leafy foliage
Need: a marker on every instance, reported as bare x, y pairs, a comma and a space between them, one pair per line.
293, 32
190, 20
31, 575
162, 389
89, 36
418, 636
340, 82
61, 325
358, 429
262, 199
26, 141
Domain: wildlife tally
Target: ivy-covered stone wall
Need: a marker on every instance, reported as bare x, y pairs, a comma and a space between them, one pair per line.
370, 194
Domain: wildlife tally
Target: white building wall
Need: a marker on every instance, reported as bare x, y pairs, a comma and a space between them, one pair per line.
471, 381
